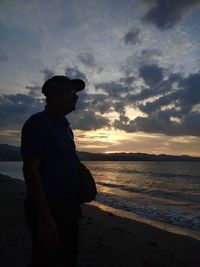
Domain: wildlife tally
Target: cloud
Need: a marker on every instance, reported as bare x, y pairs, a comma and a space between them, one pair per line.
15, 109
171, 113
47, 73
155, 89
152, 74
113, 89
87, 58
132, 37
167, 102
164, 14
34, 90
151, 53
160, 122
75, 73
95, 102
191, 124
184, 98
88, 120
128, 80
137, 60
100, 103
190, 93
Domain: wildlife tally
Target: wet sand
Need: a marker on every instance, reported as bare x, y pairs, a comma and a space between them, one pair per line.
105, 239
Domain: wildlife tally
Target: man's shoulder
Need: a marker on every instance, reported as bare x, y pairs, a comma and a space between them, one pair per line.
35, 118
33, 136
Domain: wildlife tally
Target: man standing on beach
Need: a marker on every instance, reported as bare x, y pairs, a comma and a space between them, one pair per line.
50, 167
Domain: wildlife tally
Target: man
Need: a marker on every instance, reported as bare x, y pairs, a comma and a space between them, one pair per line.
50, 168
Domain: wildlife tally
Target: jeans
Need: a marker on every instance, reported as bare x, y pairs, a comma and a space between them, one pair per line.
67, 221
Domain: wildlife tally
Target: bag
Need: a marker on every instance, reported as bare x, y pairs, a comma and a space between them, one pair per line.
87, 186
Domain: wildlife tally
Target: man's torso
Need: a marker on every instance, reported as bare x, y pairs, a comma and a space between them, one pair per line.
56, 148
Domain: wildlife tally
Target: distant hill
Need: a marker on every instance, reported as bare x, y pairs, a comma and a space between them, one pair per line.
9, 153
12, 153
133, 157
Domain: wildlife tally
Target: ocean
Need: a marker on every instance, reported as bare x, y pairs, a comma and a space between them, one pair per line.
165, 193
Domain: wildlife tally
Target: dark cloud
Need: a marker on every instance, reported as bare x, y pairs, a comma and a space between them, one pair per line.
15, 109
87, 58
47, 73
101, 103
128, 80
123, 118
160, 122
163, 89
34, 90
168, 101
95, 102
151, 74
119, 106
113, 89
132, 37
171, 113
151, 107
190, 93
164, 14
191, 124
88, 120
121, 94
184, 98
84, 101
75, 73
146, 57
151, 53
175, 77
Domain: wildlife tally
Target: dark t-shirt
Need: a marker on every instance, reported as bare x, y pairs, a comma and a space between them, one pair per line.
48, 136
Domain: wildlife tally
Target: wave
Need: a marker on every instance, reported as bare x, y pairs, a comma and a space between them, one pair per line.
172, 195
179, 216
157, 174
162, 174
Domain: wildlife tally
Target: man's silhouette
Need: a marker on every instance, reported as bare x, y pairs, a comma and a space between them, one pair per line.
50, 168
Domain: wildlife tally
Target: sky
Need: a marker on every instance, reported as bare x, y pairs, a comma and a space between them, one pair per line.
140, 60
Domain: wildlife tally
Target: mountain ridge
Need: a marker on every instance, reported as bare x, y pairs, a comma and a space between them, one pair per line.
12, 153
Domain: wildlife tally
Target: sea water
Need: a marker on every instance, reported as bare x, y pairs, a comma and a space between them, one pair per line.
166, 192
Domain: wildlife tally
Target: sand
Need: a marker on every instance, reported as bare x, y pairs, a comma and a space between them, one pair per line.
105, 239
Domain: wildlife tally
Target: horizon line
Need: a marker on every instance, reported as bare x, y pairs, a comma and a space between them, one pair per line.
123, 152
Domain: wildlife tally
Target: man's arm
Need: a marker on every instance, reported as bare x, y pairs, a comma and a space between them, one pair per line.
48, 233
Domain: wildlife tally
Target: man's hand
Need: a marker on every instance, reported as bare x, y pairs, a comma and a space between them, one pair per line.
47, 228
47, 232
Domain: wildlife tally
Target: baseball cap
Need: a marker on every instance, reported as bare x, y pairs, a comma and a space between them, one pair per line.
60, 81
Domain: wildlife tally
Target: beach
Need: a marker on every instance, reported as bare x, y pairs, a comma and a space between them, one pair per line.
105, 239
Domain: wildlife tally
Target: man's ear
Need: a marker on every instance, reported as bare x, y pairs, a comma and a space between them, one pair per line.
52, 95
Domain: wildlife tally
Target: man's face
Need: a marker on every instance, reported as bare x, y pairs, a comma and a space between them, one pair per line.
67, 99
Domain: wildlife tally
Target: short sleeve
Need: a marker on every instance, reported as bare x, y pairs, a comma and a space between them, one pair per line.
32, 138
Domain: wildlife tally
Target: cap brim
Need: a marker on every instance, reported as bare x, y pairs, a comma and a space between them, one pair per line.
79, 84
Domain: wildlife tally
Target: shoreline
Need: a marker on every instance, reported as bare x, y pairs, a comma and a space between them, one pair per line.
157, 224
106, 239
